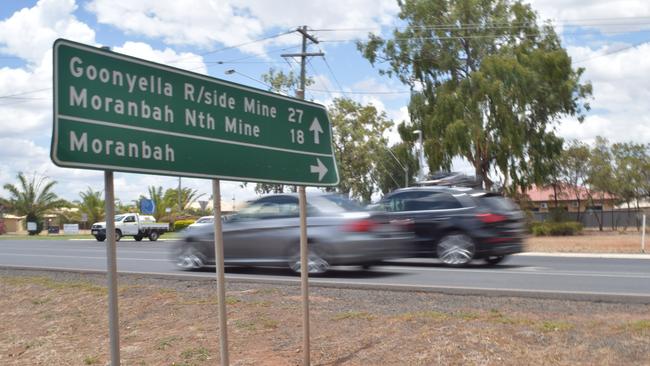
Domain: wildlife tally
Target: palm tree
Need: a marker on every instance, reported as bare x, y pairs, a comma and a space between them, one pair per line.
33, 198
92, 205
188, 197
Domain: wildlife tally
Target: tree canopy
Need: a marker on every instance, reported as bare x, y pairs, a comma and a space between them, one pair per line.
358, 137
488, 84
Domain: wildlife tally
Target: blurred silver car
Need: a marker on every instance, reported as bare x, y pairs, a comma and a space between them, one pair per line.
267, 233
201, 221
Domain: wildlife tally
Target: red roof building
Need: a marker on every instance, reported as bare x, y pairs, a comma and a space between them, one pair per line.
571, 199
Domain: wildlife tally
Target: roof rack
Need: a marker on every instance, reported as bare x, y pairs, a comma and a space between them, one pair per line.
451, 179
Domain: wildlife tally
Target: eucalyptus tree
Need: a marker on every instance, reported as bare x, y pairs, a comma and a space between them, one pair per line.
33, 197
358, 137
577, 173
601, 176
488, 83
631, 164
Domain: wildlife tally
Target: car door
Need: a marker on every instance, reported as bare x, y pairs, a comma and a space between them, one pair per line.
431, 214
129, 225
262, 232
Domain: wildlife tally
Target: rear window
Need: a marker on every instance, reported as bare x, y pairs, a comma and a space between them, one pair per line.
498, 203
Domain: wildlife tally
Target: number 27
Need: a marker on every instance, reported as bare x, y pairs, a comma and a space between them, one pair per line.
292, 115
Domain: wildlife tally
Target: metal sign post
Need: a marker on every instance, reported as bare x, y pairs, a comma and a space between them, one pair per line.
221, 278
111, 269
304, 274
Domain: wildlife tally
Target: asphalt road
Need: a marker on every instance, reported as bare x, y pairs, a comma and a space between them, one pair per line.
544, 276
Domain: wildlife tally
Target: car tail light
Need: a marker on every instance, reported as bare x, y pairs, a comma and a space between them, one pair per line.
360, 226
490, 218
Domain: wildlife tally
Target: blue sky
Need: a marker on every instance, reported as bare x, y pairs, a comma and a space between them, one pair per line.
608, 38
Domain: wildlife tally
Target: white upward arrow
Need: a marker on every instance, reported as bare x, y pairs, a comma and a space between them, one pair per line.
321, 169
316, 129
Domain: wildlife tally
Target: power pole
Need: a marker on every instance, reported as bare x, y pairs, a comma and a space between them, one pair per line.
302, 197
300, 93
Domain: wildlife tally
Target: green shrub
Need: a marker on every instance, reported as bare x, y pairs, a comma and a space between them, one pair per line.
556, 228
182, 224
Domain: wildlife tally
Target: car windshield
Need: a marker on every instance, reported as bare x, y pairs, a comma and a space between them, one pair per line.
203, 220
119, 217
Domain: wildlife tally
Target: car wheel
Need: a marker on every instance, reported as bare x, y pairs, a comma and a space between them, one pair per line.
315, 262
456, 249
153, 236
100, 238
118, 235
138, 237
190, 259
495, 259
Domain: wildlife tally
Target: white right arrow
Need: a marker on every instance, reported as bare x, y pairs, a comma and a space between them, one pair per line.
321, 169
316, 129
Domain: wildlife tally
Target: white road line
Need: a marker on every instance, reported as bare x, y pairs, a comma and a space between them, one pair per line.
518, 271
585, 255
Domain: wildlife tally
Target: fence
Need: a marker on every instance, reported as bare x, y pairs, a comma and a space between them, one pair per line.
616, 219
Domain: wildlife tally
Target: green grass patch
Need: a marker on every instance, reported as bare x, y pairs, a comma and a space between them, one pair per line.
353, 315
422, 315
495, 316
639, 325
166, 342
91, 360
262, 323
555, 326
54, 285
196, 354
45, 237
464, 315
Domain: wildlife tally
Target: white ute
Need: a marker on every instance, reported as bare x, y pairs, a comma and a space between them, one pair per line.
132, 224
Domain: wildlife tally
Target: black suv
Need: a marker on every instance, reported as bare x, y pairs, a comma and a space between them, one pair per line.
457, 225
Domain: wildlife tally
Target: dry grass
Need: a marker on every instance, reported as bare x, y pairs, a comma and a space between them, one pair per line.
48, 322
590, 242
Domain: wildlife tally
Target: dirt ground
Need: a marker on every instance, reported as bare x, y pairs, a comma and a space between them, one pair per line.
590, 242
53, 318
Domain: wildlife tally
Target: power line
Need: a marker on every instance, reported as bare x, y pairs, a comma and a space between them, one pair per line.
234, 46
612, 52
362, 92
334, 76
24, 93
508, 25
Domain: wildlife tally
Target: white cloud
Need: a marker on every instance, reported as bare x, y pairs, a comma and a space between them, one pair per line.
621, 81
184, 60
206, 23
193, 22
30, 32
603, 15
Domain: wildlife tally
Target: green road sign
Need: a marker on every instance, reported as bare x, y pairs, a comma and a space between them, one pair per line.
115, 112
